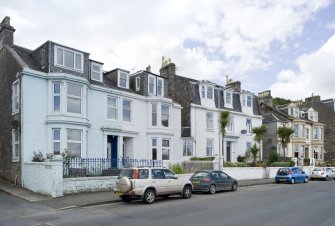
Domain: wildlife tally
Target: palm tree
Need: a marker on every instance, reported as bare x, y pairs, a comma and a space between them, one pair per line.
224, 121
254, 151
259, 135
284, 134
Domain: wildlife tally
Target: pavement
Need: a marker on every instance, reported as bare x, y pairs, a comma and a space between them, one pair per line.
85, 199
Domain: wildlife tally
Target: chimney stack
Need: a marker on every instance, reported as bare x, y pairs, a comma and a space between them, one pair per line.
148, 69
265, 97
168, 71
6, 33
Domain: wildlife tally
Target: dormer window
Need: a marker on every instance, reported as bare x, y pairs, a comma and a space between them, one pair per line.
209, 92
151, 85
123, 79
249, 101
96, 72
160, 87
69, 59
228, 97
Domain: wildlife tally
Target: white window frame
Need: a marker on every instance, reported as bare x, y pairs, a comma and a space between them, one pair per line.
210, 121
316, 133
75, 55
151, 85
114, 108
154, 147
97, 72
59, 95
124, 109
307, 134
154, 114
16, 145
210, 92
54, 141
296, 130
203, 92
230, 126
74, 97
160, 88
243, 100
209, 147
249, 102
187, 145
138, 83
228, 97
168, 115
119, 79
249, 125
75, 141
167, 148
16, 97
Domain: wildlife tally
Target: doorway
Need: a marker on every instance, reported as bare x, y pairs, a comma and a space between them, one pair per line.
112, 146
228, 149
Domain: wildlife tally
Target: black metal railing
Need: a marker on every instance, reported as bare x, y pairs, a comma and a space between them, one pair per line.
93, 167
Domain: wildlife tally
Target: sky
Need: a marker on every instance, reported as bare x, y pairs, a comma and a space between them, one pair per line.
287, 47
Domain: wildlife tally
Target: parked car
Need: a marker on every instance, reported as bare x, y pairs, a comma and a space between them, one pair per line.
323, 173
291, 175
213, 181
147, 183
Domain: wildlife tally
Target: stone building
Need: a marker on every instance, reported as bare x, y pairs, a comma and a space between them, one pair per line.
307, 142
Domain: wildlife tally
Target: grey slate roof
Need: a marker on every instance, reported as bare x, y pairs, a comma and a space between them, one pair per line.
236, 102
25, 55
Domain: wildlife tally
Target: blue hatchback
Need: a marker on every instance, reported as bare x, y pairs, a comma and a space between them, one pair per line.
291, 175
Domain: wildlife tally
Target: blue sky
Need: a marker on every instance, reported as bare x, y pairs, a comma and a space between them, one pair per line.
285, 46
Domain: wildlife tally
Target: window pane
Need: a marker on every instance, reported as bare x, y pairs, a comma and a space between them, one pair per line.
166, 143
56, 134
74, 90
111, 101
59, 56
68, 59
126, 104
165, 154
74, 134
95, 75
126, 115
111, 113
74, 148
56, 103
56, 148
73, 105
154, 142
78, 61
57, 87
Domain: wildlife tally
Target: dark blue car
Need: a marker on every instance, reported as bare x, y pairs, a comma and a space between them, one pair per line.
291, 175
212, 181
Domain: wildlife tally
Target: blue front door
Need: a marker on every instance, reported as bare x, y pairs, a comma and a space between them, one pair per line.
112, 140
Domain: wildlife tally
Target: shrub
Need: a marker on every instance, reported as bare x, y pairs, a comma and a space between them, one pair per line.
282, 164
38, 157
241, 158
202, 158
235, 164
273, 156
50, 156
176, 168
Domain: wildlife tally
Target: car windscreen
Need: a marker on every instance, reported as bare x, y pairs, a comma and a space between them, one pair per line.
200, 174
127, 173
282, 171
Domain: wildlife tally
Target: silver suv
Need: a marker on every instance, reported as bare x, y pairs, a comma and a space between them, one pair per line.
147, 183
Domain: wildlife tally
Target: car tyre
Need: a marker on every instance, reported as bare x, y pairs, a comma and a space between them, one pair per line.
292, 180
149, 196
212, 189
234, 187
126, 198
277, 182
187, 192
312, 178
306, 180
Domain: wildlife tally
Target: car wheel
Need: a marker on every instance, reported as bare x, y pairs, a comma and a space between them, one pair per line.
327, 178
234, 187
149, 196
126, 198
212, 189
187, 192
312, 178
306, 180
277, 182
292, 180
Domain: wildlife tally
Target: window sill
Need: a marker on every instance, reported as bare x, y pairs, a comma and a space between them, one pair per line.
15, 112
16, 160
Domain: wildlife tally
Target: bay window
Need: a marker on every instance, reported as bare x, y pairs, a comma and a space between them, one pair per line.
74, 98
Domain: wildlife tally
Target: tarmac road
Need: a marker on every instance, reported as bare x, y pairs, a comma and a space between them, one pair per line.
271, 204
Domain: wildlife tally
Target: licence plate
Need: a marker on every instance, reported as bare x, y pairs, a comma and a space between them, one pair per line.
196, 182
118, 193
282, 180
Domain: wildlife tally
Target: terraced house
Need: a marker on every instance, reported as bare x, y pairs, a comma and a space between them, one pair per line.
55, 98
307, 141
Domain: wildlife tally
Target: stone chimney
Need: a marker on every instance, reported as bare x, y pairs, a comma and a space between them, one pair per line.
265, 97
148, 69
313, 99
168, 71
6, 32
235, 85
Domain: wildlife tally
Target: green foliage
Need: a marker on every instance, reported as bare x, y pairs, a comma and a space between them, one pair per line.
254, 151
38, 157
284, 134
241, 158
235, 164
202, 158
273, 156
280, 101
224, 121
282, 164
259, 133
50, 156
176, 168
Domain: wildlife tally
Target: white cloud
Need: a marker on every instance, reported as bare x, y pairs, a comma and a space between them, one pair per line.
315, 75
331, 25
237, 35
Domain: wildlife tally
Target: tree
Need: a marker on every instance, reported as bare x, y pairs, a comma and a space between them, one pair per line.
259, 134
280, 101
254, 151
223, 121
284, 134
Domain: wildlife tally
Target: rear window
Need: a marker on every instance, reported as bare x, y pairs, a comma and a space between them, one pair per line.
282, 171
127, 173
200, 174
135, 173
